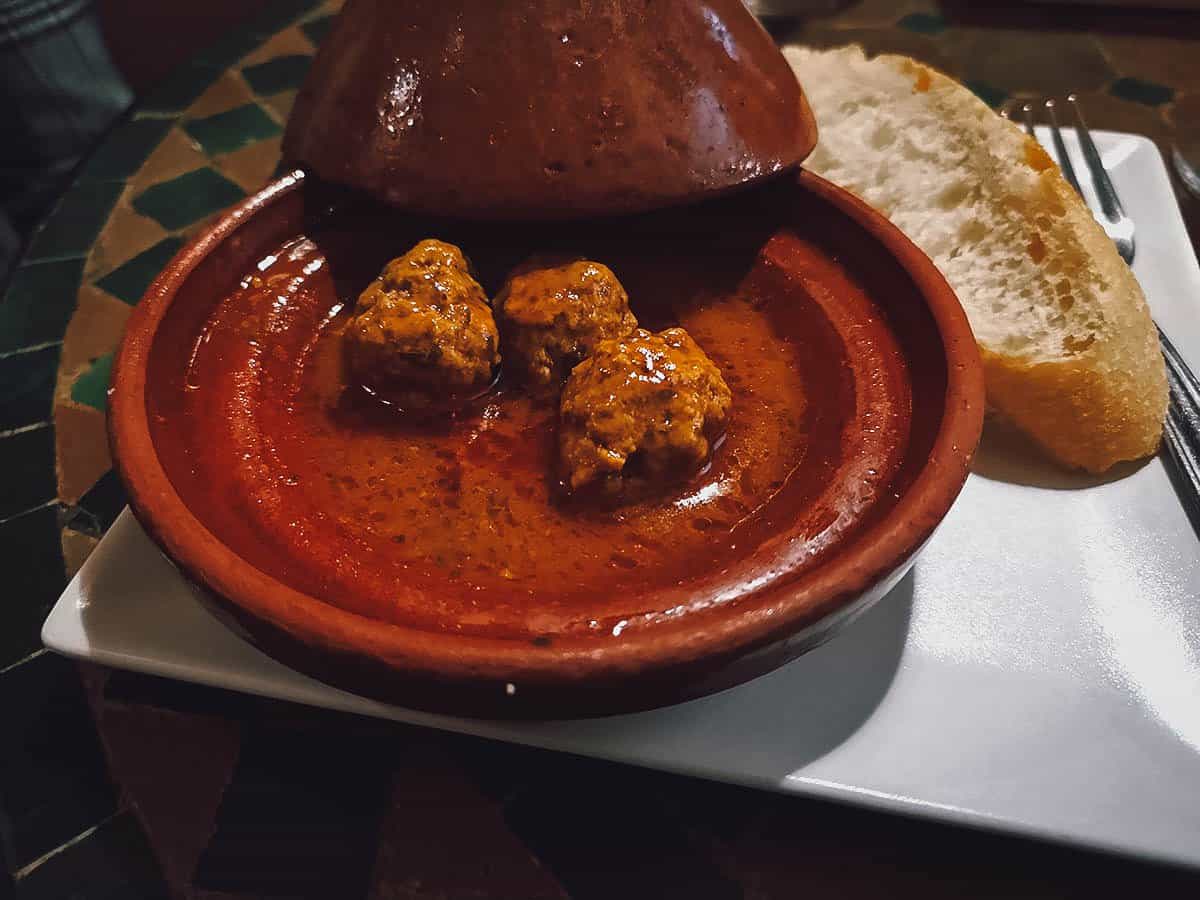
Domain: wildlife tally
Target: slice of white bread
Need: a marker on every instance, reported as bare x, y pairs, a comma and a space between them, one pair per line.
1069, 349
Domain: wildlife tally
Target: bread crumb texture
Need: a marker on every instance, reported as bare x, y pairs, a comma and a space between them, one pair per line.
1070, 352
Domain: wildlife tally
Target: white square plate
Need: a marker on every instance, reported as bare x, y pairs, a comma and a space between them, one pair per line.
1038, 671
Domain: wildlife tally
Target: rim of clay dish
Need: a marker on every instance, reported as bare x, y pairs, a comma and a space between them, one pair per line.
783, 611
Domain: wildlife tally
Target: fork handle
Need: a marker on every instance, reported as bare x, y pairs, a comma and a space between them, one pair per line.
1187, 383
1181, 432
1110, 204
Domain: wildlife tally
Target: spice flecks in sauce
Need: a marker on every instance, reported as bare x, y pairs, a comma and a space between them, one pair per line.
454, 522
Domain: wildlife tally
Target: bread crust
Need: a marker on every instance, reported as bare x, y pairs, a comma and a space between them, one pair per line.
1088, 403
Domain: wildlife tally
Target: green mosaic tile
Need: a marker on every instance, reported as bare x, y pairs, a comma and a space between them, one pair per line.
992, 96
105, 500
1016, 61
72, 227
1147, 93
34, 576
182, 201
39, 303
229, 50
126, 148
180, 89
53, 775
114, 861
27, 386
318, 28
284, 73
279, 15
27, 461
923, 23
82, 521
129, 281
233, 129
91, 386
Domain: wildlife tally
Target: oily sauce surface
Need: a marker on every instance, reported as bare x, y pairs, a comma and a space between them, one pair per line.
456, 520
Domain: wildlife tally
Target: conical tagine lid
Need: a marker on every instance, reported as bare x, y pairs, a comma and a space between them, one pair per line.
547, 109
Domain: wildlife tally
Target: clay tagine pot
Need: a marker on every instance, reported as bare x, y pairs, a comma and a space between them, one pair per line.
854, 370
547, 109
858, 385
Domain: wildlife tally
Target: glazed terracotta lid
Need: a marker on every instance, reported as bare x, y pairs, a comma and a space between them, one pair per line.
547, 109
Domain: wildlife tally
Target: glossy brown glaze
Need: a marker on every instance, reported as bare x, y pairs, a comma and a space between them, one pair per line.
434, 562
547, 108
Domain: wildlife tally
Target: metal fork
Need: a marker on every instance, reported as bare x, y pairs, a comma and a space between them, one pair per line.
1182, 427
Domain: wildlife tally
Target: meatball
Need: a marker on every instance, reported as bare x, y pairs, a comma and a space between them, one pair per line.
553, 314
655, 395
424, 324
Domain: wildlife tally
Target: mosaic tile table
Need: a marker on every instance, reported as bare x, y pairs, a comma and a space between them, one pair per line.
115, 785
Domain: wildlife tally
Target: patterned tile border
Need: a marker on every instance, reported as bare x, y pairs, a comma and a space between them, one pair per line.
203, 138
